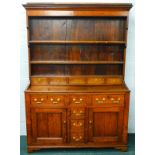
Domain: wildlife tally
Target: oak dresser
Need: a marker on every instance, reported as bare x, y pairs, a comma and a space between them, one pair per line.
77, 96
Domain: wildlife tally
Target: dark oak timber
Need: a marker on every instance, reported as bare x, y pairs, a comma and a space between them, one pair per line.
77, 96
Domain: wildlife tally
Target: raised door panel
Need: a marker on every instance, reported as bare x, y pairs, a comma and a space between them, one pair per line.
105, 124
48, 126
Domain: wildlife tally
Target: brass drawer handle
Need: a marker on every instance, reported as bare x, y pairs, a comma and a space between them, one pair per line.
103, 99
77, 114
42, 99
100, 102
55, 102
77, 124
77, 139
39, 102
112, 99
58, 99
77, 102
115, 101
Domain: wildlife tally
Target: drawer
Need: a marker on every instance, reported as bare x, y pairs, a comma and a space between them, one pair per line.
114, 81
116, 99
100, 99
56, 99
77, 112
77, 137
38, 99
57, 81
77, 125
96, 81
39, 81
77, 80
78, 100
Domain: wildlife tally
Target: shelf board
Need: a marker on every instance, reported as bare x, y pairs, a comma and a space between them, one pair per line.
77, 62
75, 42
83, 76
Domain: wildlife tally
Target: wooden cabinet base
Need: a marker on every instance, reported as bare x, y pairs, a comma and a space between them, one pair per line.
77, 120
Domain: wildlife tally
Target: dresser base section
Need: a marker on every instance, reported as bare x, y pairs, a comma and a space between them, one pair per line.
122, 148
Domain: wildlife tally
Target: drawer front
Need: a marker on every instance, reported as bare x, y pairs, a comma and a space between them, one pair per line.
56, 100
77, 137
77, 112
114, 81
100, 99
116, 99
96, 81
77, 125
77, 81
38, 99
39, 81
78, 100
57, 81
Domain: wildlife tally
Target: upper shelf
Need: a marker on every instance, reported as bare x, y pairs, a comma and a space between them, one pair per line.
76, 62
75, 42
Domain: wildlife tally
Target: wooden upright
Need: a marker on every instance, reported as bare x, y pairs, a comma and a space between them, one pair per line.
77, 96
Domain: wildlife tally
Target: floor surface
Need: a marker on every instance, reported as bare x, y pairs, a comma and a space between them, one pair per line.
131, 149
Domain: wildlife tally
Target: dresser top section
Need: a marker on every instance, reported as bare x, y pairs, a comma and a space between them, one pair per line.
78, 6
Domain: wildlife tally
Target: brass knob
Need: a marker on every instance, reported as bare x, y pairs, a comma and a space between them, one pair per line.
80, 137
81, 99
73, 137
96, 99
74, 99
64, 122
80, 124
35, 99
119, 99
74, 112
81, 112
58, 99
51, 99
90, 122
103, 99
42, 99
112, 99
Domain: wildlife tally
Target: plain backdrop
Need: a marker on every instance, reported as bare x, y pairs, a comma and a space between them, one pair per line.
130, 63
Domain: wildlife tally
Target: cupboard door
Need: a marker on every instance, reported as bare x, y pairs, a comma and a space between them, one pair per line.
48, 126
105, 124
